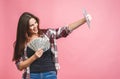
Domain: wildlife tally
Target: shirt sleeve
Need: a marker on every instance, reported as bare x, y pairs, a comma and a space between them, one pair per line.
17, 62
59, 32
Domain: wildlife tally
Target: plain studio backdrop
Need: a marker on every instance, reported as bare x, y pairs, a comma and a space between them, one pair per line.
85, 54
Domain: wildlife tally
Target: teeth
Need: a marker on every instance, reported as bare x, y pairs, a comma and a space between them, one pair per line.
35, 30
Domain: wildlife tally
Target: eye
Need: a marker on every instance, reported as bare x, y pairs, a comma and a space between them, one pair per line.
35, 22
31, 25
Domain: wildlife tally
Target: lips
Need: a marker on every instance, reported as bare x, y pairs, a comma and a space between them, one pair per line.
35, 30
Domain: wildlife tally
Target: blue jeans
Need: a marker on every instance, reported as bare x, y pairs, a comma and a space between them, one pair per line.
45, 75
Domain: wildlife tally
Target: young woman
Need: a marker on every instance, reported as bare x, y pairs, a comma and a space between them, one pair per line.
39, 64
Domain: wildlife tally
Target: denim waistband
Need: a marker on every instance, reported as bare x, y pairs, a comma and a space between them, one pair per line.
44, 75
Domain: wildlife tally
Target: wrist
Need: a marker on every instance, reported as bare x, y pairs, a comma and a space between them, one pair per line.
35, 57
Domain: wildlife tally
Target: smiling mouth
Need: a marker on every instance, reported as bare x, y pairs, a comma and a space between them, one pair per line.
35, 30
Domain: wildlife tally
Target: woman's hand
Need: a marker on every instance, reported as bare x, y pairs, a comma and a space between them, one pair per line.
89, 17
38, 53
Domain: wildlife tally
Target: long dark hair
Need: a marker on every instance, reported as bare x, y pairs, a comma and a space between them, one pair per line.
23, 34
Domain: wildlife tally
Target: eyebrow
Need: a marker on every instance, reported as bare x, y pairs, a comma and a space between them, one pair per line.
33, 23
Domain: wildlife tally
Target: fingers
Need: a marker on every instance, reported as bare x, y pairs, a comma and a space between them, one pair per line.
39, 53
89, 17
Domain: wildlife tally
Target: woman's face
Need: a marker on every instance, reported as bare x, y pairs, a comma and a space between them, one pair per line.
33, 26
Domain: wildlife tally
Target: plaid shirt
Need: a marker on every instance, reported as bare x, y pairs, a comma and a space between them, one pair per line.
52, 34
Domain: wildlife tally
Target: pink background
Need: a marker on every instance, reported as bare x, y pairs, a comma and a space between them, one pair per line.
85, 54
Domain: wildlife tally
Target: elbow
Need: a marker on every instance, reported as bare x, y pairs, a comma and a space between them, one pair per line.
20, 68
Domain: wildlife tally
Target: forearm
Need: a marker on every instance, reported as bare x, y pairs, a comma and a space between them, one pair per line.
26, 63
76, 24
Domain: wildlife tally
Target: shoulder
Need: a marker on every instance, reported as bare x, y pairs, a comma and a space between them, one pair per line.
48, 31
43, 30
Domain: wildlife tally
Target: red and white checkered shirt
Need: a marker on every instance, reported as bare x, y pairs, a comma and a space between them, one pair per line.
52, 34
